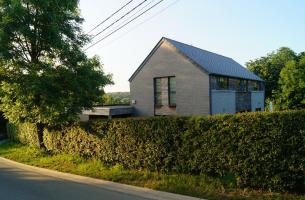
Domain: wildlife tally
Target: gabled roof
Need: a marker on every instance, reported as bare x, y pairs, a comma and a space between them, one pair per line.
210, 62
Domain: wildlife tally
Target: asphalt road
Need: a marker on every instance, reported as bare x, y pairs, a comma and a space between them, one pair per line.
20, 184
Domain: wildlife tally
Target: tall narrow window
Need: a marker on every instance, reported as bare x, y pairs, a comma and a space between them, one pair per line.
172, 91
158, 92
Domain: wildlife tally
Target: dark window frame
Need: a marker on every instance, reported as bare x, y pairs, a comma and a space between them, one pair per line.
226, 82
245, 87
259, 109
215, 79
171, 92
158, 105
157, 93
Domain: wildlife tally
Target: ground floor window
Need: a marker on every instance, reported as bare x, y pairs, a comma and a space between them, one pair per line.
258, 109
165, 91
158, 92
172, 91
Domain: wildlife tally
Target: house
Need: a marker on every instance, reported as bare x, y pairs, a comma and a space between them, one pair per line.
180, 79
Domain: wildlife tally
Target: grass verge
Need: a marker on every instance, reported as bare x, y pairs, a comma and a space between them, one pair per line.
199, 186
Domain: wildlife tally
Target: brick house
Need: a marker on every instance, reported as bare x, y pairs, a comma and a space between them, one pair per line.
179, 79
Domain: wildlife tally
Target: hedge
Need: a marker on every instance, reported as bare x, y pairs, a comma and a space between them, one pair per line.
261, 150
25, 133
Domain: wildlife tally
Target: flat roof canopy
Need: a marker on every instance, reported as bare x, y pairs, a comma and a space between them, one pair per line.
109, 111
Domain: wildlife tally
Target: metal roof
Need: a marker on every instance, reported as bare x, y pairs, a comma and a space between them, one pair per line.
214, 63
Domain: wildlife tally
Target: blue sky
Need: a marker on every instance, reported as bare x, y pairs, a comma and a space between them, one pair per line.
240, 29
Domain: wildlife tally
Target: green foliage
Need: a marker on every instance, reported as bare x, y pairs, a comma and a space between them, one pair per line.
283, 72
202, 186
292, 85
116, 98
256, 150
269, 68
261, 150
46, 78
25, 133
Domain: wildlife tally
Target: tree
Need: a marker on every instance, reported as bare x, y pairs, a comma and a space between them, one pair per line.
46, 78
292, 85
116, 98
269, 68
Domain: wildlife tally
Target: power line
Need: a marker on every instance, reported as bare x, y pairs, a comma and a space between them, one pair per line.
130, 17
110, 16
144, 21
123, 25
130, 11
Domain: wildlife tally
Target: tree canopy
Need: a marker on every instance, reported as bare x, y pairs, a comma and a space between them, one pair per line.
291, 94
46, 78
283, 72
116, 98
269, 68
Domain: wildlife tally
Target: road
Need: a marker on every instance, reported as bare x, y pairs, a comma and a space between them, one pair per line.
20, 184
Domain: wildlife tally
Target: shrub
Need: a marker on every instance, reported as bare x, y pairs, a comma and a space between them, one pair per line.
25, 133
261, 150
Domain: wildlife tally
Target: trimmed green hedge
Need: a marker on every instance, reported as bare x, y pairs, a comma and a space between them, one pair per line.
25, 133
261, 150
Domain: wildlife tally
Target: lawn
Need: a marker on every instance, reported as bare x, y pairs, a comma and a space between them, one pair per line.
198, 186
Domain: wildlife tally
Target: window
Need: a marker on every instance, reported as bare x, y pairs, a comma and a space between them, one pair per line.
172, 91
258, 109
255, 86
165, 91
158, 92
233, 83
213, 82
222, 83
242, 85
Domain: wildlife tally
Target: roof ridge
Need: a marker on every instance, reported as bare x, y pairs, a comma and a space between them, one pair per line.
211, 62
232, 66
168, 39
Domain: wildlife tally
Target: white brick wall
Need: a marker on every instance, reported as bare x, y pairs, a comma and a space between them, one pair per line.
192, 83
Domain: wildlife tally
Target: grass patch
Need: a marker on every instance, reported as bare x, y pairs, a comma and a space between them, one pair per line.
198, 186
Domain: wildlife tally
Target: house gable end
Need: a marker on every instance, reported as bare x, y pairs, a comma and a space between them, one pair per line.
146, 60
175, 50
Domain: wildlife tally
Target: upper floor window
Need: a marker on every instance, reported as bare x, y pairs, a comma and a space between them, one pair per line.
255, 86
235, 84
242, 85
222, 83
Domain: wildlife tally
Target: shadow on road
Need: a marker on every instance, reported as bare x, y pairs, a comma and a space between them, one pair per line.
18, 184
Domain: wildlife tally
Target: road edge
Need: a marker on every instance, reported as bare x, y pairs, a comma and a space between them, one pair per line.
112, 186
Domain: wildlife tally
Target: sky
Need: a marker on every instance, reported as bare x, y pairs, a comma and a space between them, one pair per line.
240, 29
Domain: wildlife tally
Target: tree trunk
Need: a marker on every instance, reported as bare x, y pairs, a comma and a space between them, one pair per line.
40, 128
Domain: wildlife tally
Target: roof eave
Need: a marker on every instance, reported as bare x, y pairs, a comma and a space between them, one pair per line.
230, 76
146, 59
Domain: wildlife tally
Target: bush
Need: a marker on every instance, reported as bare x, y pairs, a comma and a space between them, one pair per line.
261, 150
24, 133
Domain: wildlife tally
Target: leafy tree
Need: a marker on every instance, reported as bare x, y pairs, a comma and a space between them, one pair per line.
269, 68
46, 78
116, 98
292, 85
300, 56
